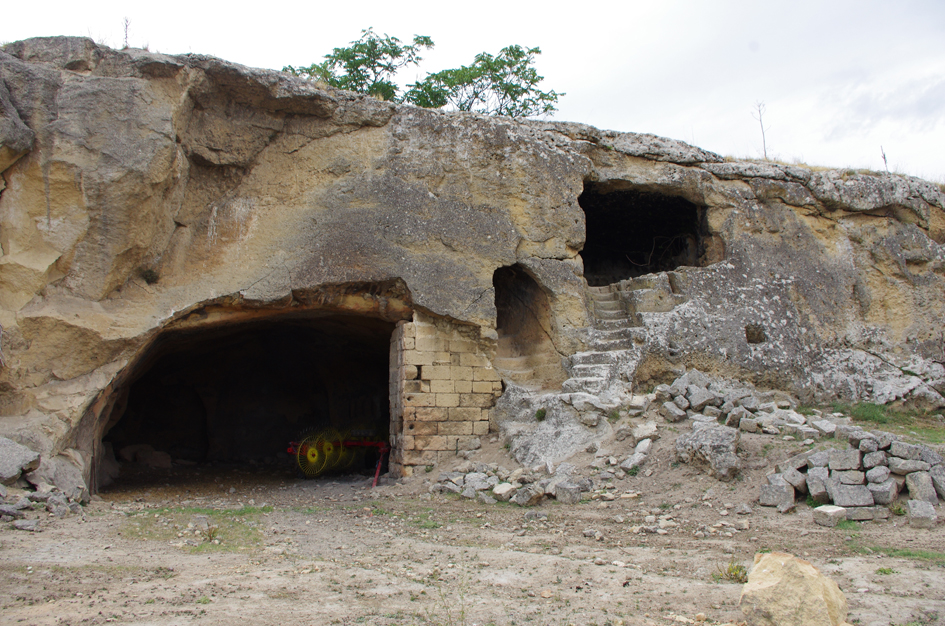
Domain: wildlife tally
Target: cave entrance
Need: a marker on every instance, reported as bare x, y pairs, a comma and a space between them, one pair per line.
526, 352
631, 232
238, 393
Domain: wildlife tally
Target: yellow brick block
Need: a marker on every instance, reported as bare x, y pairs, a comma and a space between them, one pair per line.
419, 457
410, 330
430, 442
410, 343
471, 359
480, 428
447, 399
423, 428
436, 372
481, 400
485, 373
432, 344
442, 386
461, 373
420, 399
463, 386
462, 345
482, 386
431, 414
455, 428
468, 414
412, 386
425, 330
413, 357
442, 358
407, 442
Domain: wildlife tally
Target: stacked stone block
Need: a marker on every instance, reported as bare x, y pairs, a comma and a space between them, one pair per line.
444, 388
861, 479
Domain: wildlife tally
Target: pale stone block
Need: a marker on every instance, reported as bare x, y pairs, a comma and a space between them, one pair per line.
431, 414
471, 359
462, 345
465, 414
454, 428
421, 428
829, 515
413, 386
431, 442
482, 386
481, 428
442, 386
436, 372
461, 373
419, 399
411, 372
481, 400
413, 357
486, 373
447, 399
462, 386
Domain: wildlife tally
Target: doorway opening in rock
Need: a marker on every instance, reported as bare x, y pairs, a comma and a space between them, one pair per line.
632, 232
526, 353
238, 394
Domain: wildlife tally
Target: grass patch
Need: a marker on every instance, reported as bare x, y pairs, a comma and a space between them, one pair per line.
917, 424
847, 524
886, 571
936, 558
227, 530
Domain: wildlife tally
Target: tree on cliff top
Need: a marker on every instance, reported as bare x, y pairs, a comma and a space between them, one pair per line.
504, 84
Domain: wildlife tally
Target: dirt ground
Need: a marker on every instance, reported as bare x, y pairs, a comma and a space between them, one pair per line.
212, 545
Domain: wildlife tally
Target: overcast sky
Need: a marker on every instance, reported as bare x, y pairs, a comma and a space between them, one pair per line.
839, 79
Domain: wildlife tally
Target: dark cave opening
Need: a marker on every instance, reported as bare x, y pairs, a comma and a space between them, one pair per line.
632, 232
526, 352
239, 393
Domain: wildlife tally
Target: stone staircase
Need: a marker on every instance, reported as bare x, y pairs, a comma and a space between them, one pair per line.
619, 329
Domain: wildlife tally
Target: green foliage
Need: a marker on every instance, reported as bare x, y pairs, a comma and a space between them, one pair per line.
368, 65
733, 573
886, 571
540, 415
633, 471
505, 84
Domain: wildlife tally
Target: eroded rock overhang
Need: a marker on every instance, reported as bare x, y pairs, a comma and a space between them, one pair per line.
137, 188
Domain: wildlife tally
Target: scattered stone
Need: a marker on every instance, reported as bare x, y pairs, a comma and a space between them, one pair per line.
818, 459
31, 525
713, 446
920, 487
826, 427
851, 495
829, 515
878, 474
796, 462
681, 402
905, 451
622, 432
860, 513
778, 493
921, 514
10, 511
884, 492
646, 430
528, 496
749, 425
930, 456
845, 460
870, 444
15, 459
898, 465
817, 484
849, 477
672, 413
568, 493
485, 498
874, 459
937, 474
785, 590
795, 479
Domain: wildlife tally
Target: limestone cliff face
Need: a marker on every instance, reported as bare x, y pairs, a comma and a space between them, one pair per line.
253, 192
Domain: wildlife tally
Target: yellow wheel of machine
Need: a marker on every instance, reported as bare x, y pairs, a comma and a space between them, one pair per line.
333, 448
348, 453
311, 455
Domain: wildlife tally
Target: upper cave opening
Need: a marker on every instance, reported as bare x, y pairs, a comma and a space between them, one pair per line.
239, 393
631, 232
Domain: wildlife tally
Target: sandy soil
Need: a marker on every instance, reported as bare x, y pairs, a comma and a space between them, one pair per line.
215, 544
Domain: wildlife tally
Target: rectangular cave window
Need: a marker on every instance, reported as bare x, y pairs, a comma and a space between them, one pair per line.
631, 232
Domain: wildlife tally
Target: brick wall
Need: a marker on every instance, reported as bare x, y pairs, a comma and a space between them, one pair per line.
443, 388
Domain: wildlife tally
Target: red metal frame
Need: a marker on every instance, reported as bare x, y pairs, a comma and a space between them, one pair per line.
382, 448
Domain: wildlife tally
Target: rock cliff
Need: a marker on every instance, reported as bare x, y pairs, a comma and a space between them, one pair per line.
147, 200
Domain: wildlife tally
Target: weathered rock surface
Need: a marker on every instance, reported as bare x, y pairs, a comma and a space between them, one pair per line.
714, 447
14, 460
783, 590
242, 193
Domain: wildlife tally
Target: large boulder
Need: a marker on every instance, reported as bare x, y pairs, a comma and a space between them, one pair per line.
783, 590
713, 447
14, 460
62, 472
